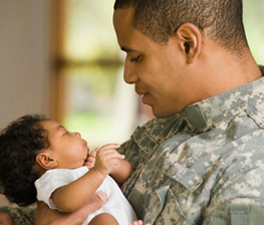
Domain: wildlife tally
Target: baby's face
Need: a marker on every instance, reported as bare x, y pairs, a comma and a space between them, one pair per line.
68, 149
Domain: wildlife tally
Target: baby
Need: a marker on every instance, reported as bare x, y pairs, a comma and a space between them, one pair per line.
41, 160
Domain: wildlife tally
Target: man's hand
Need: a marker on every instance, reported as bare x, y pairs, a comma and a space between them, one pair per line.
6, 219
47, 216
139, 222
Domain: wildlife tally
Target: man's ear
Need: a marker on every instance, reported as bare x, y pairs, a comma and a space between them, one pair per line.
190, 39
46, 160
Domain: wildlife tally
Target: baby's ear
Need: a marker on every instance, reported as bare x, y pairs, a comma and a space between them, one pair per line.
46, 161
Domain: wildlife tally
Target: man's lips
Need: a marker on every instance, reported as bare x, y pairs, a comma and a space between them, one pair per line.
144, 98
140, 92
144, 95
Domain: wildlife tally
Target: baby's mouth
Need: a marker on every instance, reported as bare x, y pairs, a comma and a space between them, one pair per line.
86, 144
86, 160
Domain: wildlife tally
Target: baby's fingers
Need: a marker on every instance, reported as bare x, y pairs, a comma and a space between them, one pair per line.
90, 165
93, 153
110, 154
109, 146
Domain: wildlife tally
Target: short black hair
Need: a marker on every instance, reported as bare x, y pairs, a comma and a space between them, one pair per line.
220, 20
20, 142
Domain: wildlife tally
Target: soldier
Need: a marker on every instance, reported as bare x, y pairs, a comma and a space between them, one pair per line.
202, 160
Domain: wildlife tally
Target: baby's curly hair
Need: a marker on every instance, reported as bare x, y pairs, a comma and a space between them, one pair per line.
20, 142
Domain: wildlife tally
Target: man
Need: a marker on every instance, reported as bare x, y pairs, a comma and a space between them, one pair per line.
201, 161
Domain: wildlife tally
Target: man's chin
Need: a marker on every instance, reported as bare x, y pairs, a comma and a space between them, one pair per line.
160, 112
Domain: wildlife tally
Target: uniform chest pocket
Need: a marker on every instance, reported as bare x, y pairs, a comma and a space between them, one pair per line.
165, 202
164, 209
186, 177
182, 196
149, 205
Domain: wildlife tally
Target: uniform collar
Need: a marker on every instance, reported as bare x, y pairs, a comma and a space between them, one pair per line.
212, 111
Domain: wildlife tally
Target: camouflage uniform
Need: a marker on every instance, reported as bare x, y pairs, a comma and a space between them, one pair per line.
202, 166
21, 215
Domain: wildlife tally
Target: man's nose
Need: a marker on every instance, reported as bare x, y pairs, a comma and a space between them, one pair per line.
130, 73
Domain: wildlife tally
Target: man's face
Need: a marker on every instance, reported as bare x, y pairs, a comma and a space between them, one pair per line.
158, 71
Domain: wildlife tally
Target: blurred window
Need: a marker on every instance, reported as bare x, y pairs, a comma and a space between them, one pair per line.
90, 95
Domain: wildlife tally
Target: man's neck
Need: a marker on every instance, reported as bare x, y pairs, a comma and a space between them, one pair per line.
225, 71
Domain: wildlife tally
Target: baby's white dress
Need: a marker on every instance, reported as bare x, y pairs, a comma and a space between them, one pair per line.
117, 205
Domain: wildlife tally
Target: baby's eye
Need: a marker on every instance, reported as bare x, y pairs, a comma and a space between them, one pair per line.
66, 133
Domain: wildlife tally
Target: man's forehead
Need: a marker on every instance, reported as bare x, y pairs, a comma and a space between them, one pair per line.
123, 28
122, 16
130, 39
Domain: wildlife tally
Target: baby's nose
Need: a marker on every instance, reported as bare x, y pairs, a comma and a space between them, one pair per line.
77, 134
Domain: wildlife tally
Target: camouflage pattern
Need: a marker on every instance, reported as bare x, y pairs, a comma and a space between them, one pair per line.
21, 215
202, 166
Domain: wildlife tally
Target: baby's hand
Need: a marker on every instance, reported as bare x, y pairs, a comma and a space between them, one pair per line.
107, 158
91, 159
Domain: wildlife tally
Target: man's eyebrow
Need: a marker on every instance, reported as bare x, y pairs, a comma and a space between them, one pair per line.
126, 49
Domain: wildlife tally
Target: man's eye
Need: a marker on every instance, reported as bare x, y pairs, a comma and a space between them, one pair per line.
136, 59
66, 133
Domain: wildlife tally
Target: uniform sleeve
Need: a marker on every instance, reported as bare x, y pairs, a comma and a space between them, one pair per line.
21, 215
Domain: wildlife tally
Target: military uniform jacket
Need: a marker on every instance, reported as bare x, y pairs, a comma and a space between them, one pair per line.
204, 165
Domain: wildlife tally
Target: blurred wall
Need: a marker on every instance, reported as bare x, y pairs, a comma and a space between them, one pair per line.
24, 54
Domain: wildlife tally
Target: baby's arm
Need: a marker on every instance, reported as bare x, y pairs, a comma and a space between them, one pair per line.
71, 197
120, 172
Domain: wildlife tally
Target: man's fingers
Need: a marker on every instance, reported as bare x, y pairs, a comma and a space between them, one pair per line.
6, 219
102, 196
138, 222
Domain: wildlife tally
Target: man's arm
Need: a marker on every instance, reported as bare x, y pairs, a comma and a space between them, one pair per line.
6, 219
47, 216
